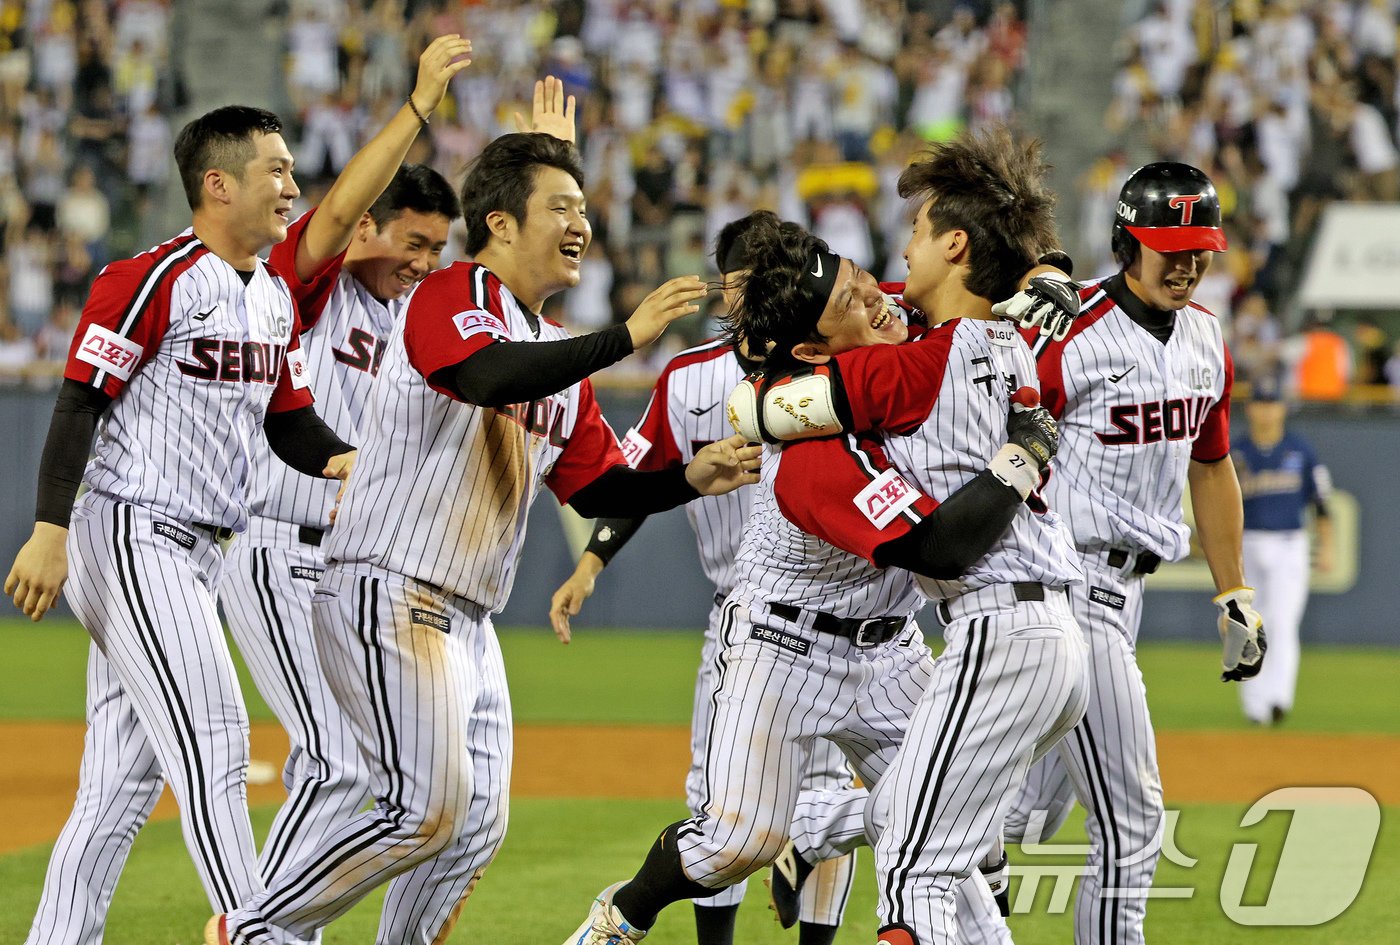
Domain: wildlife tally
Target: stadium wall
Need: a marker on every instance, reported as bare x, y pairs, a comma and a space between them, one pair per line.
656, 581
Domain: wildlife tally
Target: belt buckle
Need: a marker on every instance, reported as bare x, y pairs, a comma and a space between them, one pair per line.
860, 640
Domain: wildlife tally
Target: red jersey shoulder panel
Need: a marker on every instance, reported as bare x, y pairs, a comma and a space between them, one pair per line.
312, 295
453, 313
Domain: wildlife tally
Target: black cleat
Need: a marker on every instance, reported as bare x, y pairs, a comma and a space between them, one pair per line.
790, 871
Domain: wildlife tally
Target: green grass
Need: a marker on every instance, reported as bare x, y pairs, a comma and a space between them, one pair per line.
558, 853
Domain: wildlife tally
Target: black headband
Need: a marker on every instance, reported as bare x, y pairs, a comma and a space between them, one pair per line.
819, 278
735, 258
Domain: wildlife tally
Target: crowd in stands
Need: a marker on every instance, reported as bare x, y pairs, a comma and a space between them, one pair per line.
693, 112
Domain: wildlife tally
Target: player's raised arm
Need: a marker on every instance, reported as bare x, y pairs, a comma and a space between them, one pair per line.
372, 168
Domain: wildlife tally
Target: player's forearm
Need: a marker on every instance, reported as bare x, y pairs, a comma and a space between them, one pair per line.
354, 191
954, 536
303, 441
1215, 497
517, 372
609, 537
66, 450
623, 491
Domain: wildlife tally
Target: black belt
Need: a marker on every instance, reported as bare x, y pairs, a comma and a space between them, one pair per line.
1023, 591
719, 597
1146, 563
218, 533
310, 536
863, 632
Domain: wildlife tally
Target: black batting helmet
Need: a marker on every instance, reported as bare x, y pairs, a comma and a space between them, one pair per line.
1168, 207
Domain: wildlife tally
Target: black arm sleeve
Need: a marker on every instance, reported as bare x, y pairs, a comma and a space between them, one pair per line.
961, 530
301, 439
66, 450
624, 491
516, 372
610, 534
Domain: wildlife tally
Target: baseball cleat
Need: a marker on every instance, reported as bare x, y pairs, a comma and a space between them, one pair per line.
605, 925
216, 930
790, 871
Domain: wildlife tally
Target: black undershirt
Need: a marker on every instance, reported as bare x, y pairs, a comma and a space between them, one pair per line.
956, 534
1155, 321
517, 372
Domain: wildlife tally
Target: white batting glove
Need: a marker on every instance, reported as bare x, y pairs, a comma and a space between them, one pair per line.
1050, 302
1241, 635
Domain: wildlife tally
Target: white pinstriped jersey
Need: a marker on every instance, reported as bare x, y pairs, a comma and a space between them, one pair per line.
194, 358
442, 488
1133, 412
344, 333
686, 412
941, 404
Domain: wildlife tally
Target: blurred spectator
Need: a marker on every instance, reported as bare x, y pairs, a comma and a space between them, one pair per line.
83, 214
1372, 351
1324, 366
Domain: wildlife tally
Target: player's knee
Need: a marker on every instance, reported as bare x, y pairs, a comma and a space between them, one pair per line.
743, 856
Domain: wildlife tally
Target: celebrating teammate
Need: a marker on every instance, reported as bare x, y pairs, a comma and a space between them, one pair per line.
377, 233
185, 352
686, 410
479, 402
818, 637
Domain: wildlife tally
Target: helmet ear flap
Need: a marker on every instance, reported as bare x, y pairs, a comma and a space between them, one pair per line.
1125, 245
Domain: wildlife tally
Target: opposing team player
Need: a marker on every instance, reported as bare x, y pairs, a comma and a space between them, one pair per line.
379, 230
818, 637
478, 404
186, 352
1141, 389
686, 411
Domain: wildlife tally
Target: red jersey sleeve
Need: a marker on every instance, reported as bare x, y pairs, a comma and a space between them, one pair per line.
844, 491
453, 314
293, 390
1213, 443
651, 444
893, 387
310, 296
591, 450
126, 316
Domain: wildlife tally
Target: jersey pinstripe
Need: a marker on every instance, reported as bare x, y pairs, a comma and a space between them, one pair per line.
685, 413
198, 359
1133, 412
442, 488
345, 330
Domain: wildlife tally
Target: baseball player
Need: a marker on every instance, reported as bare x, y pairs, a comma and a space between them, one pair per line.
184, 353
478, 404
686, 411
1280, 478
379, 230
1140, 387
818, 637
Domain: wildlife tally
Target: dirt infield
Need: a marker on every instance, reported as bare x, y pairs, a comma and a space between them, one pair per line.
41, 767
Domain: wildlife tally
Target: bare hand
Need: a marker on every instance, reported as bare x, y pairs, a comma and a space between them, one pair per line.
339, 467
36, 578
568, 600
549, 113
673, 300
445, 57
724, 466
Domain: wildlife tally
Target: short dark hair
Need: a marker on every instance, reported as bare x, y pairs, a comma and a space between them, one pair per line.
220, 139
992, 187
776, 305
502, 177
731, 251
419, 188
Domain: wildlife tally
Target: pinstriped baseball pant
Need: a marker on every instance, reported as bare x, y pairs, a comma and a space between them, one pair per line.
1008, 687
419, 675
828, 888
163, 706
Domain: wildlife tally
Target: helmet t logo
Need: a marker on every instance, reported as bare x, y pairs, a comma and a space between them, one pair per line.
1185, 203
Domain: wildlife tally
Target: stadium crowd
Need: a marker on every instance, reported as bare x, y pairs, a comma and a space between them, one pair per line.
693, 113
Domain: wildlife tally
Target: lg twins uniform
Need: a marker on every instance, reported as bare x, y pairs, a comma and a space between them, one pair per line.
195, 354
686, 412
424, 549
1011, 680
1134, 410
274, 566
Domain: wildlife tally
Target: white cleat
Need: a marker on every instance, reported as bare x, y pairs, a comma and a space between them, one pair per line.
605, 925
